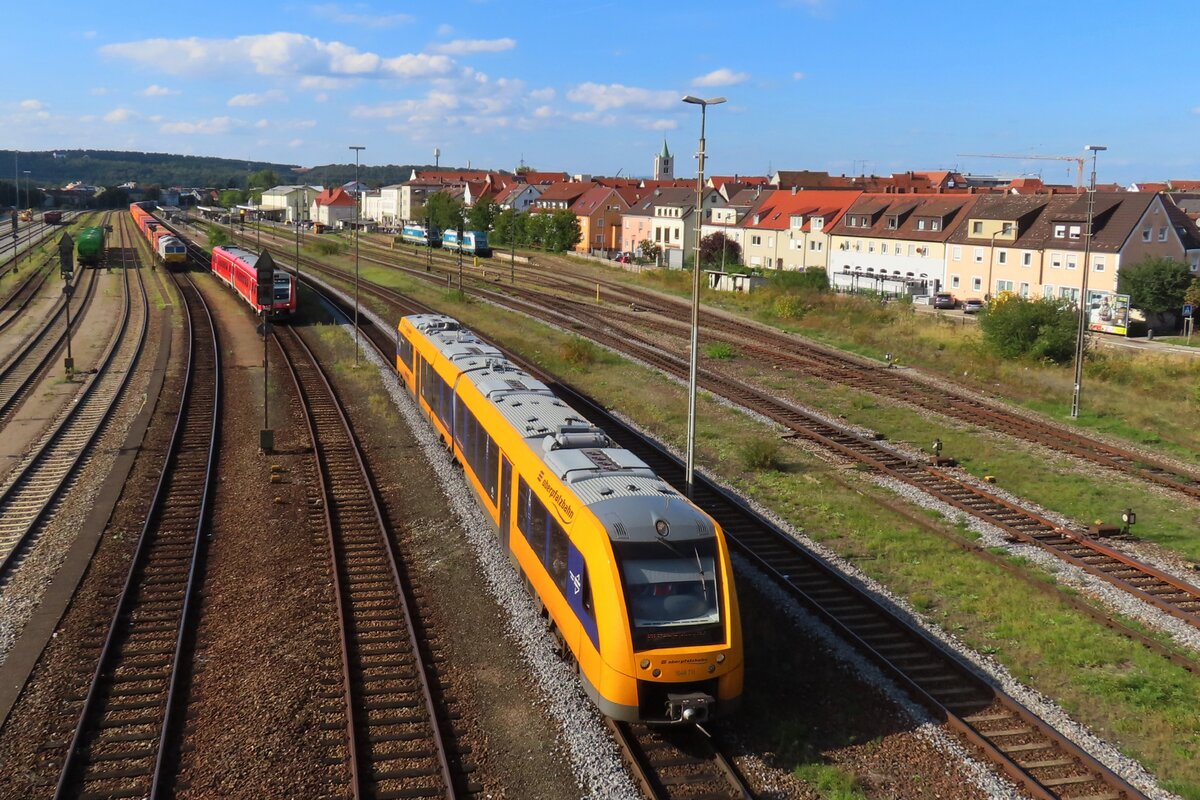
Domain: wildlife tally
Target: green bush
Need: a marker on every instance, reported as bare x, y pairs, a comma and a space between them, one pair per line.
789, 306
721, 350
810, 280
217, 237
579, 352
327, 247
1044, 330
760, 454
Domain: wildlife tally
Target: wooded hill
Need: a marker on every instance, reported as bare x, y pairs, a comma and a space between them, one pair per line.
114, 167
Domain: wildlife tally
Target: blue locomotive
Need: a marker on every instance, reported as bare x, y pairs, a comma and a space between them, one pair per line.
419, 234
473, 242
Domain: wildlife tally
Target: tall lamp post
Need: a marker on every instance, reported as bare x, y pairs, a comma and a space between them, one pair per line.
692, 363
27, 205
357, 149
1094, 149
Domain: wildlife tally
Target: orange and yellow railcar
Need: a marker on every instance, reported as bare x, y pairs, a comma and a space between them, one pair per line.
635, 580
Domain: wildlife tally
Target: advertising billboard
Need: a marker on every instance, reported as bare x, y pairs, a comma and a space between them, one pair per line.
1108, 312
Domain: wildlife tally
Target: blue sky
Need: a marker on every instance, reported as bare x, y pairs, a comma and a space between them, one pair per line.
837, 85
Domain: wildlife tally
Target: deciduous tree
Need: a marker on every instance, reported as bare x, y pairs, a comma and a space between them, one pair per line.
1155, 285
444, 211
1043, 329
717, 249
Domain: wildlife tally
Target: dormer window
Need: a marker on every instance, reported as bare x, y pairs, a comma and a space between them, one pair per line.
893, 222
920, 224
1075, 231
1006, 229
1060, 231
976, 228
817, 223
935, 224
797, 221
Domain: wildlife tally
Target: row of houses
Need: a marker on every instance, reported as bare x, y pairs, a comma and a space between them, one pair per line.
912, 232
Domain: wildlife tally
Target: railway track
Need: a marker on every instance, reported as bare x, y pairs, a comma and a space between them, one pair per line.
22, 295
31, 236
1030, 751
123, 741
35, 486
398, 742
677, 763
32, 358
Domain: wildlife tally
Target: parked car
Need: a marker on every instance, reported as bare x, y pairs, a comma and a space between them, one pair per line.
622, 258
972, 306
944, 300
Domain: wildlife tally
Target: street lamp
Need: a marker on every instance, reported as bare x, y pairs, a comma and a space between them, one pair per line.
1094, 149
30, 207
357, 149
692, 363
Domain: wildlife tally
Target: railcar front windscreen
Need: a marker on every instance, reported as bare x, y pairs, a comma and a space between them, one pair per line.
673, 593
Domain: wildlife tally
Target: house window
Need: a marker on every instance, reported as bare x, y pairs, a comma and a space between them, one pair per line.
1056, 260
817, 223
1145, 234
956, 253
1027, 259
953, 281
935, 225
1162, 233
1024, 290
883, 248
658, 234
1002, 257
978, 255
870, 247
976, 284
893, 223
756, 239
1006, 229
1098, 263
770, 241
911, 248
1048, 290
1074, 231
1072, 261
976, 227
920, 224
815, 246
1004, 286
1060, 231
677, 234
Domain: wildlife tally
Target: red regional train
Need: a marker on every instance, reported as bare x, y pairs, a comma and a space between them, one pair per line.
235, 267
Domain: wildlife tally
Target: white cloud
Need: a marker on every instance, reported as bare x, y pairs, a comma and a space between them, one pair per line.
603, 97
543, 112
662, 124
256, 99
32, 105
542, 95
460, 47
798, 76
211, 125
155, 90
119, 115
336, 13
445, 29
295, 142
721, 77
100, 90
275, 54
262, 123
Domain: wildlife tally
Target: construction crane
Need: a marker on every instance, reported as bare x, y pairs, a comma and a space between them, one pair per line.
1077, 159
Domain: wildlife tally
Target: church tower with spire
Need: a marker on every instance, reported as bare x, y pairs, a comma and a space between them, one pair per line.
664, 165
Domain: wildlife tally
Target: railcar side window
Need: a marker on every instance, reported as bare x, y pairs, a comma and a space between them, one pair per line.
478, 448
404, 350
546, 537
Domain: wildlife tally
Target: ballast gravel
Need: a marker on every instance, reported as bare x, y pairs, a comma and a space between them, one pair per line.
595, 759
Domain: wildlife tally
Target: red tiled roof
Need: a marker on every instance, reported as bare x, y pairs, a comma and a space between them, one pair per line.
1185, 186
541, 178
777, 208
335, 197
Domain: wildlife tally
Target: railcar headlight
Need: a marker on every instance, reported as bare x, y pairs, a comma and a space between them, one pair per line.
662, 528
645, 663
657, 672
712, 668
720, 658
